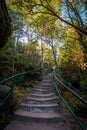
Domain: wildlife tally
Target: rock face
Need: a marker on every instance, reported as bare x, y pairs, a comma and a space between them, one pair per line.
3, 91
4, 108
5, 24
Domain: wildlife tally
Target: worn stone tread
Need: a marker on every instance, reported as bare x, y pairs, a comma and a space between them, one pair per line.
25, 115
40, 105
43, 95
23, 125
42, 98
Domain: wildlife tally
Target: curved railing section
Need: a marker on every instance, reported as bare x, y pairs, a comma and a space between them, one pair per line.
58, 82
13, 80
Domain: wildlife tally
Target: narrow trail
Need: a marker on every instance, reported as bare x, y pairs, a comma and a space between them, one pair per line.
40, 111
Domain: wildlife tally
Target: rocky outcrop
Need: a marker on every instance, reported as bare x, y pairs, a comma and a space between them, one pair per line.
5, 24
8, 104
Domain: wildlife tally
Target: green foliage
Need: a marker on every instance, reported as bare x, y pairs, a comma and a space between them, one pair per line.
48, 57
29, 62
6, 55
15, 58
72, 59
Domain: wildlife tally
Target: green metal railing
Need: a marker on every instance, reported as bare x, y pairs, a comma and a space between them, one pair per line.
13, 80
66, 83
57, 83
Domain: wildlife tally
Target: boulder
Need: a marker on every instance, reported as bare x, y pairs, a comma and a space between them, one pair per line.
8, 105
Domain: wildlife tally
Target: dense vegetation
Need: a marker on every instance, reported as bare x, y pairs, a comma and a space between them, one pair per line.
48, 34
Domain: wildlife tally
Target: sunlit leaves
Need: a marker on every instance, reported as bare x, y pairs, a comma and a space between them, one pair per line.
72, 55
48, 57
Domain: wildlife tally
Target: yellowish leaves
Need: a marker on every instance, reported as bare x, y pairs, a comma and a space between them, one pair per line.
72, 32
55, 3
73, 53
83, 66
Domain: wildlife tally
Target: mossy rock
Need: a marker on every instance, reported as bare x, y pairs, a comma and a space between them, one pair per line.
8, 105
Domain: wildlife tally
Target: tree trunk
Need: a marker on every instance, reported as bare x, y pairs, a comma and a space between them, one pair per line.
5, 24
54, 55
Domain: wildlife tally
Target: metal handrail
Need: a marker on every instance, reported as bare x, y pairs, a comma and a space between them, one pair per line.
72, 91
14, 79
67, 83
56, 81
17, 75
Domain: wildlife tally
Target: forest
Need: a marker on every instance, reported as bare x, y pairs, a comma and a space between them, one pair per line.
45, 33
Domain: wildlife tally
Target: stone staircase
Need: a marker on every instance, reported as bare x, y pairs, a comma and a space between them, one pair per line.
42, 106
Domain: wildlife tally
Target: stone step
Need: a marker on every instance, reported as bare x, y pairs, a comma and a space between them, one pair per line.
43, 95
24, 125
43, 116
46, 84
39, 107
40, 102
42, 99
50, 80
43, 90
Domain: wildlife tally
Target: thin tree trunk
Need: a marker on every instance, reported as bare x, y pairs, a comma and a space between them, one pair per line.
54, 54
42, 53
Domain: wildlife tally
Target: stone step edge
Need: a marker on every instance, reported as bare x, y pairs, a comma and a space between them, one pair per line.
25, 115
39, 105
43, 95
42, 99
43, 90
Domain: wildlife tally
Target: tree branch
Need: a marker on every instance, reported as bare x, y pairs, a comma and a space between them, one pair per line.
51, 12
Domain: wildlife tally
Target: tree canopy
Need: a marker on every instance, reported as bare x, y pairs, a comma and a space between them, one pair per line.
56, 27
